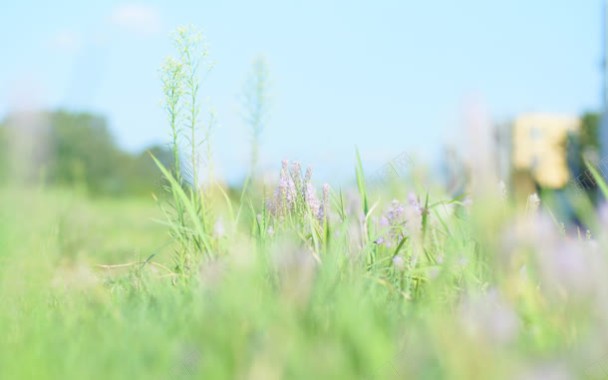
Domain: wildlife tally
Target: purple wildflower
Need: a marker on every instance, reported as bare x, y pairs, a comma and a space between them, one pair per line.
295, 193
489, 318
310, 197
218, 229
393, 221
401, 220
399, 263
324, 208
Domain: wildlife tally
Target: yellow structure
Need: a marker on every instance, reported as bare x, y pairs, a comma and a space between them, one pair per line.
539, 145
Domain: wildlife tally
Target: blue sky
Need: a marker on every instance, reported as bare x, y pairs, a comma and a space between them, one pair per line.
386, 76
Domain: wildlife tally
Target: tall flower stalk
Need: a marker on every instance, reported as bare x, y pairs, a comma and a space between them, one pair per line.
194, 58
181, 78
256, 106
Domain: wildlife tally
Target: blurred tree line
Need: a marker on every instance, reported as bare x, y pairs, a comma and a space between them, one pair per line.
63, 148
584, 145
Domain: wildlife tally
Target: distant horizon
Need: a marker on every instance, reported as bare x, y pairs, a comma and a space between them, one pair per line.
386, 78
374, 173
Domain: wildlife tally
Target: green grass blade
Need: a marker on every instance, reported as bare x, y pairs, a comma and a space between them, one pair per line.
598, 179
188, 205
361, 183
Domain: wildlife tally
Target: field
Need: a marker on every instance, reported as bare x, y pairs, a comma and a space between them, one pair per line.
92, 289
287, 278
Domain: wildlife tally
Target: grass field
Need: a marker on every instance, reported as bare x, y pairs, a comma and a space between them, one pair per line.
415, 289
292, 279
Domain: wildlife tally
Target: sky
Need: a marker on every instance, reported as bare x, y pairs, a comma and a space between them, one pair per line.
386, 77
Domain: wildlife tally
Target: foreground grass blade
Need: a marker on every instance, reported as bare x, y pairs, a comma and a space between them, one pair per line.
361, 184
598, 179
188, 205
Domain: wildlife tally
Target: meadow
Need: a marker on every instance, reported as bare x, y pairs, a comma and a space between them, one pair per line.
292, 279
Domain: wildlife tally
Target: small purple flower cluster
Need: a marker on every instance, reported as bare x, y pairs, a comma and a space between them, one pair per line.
296, 193
400, 220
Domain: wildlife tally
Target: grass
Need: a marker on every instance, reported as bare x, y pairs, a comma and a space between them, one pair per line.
282, 281
282, 305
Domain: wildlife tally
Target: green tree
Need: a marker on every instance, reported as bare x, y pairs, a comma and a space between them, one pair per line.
81, 151
589, 138
3, 154
584, 145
